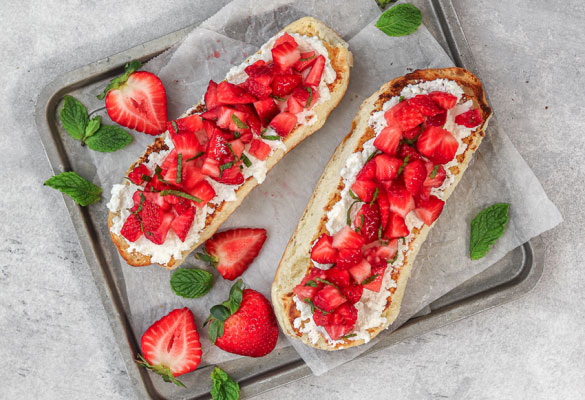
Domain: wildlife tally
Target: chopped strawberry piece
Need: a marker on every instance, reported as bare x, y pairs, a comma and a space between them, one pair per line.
210, 97
286, 38
368, 171
408, 117
228, 93
378, 254
186, 143
182, 206
445, 100
353, 293
210, 168
469, 119
347, 238
438, 173
306, 60
429, 209
252, 120
401, 201
406, 150
283, 85
342, 321
387, 252
266, 109
412, 133
284, 123
191, 124
323, 251
303, 93
384, 206
360, 271
425, 105
182, 223
386, 167
156, 198
321, 319
293, 106
204, 192
132, 228
437, 144
285, 55
155, 221
328, 298
256, 88
305, 292
313, 275
259, 149
232, 120
389, 139
437, 120
349, 257
256, 68
314, 76
414, 174
211, 114
217, 148
364, 190
338, 276
231, 175
376, 284
367, 221
139, 175
396, 228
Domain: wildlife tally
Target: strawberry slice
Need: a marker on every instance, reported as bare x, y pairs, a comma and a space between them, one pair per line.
284, 123
170, 347
367, 221
182, 223
364, 190
396, 228
437, 144
259, 149
414, 174
328, 298
232, 251
401, 201
405, 115
347, 258
286, 38
384, 206
360, 271
266, 109
137, 100
314, 76
283, 85
305, 292
347, 238
375, 282
228, 93
285, 55
469, 119
323, 251
368, 171
425, 105
139, 174
353, 293
210, 97
338, 276
307, 59
445, 100
389, 139
386, 167
156, 199
203, 191
230, 119
428, 210
438, 175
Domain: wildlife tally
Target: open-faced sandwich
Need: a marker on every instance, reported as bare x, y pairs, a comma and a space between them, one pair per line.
197, 173
343, 274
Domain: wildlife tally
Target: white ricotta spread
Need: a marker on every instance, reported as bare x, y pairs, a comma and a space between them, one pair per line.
121, 200
371, 305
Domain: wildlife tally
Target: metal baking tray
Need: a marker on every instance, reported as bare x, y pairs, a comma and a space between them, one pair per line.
514, 275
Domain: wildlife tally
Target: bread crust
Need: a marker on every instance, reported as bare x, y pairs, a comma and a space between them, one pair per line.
295, 262
341, 61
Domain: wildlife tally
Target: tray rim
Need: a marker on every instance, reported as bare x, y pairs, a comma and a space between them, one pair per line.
47, 102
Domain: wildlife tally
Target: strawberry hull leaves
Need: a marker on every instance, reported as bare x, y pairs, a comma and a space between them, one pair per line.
78, 188
486, 228
163, 371
191, 283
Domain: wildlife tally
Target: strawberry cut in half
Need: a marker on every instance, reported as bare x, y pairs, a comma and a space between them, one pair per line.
323, 251
232, 251
170, 347
137, 100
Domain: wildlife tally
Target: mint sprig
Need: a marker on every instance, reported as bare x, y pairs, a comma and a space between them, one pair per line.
191, 283
486, 228
223, 387
400, 20
76, 187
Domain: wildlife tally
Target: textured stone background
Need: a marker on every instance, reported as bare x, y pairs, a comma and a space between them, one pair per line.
55, 341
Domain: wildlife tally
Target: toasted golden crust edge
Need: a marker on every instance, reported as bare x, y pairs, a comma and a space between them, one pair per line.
341, 60
296, 262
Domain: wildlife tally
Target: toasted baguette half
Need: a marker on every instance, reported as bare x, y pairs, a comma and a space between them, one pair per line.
296, 261
341, 61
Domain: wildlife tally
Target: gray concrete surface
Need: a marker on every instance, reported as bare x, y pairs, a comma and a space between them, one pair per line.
55, 341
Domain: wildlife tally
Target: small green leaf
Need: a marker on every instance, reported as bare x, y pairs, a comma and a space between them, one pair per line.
376, 192
239, 123
348, 336
311, 283
73, 185
309, 58
384, 3
236, 295
371, 156
310, 302
246, 160
326, 282
310, 98
400, 20
175, 126
486, 228
223, 387
237, 134
277, 97
158, 173
225, 166
434, 171
179, 167
354, 196
74, 117
403, 165
92, 127
349, 210
270, 137
108, 139
115, 83
163, 371
401, 99
196, 156
213, 330
178, 193
393, 259
370, 279
191, 283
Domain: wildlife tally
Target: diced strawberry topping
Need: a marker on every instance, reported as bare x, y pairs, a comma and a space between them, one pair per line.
257, 88
360, 271
406, 116
367, 221
364, 190
157, 199
328, 298
338, 276
237, 147
210, 97
313, 275
257, 68
155, 221
306, 60
259, 149
414, 174
132, 228
228, 93
293, 106
368, 171
378, 254
384, 206
231, 175
323, 251
266, 109
349, 257
342, 321
353, 293
425, 105
285, 38
203, 191
139, 175
437, 120
230, 119
305, 93
283, 85
182, 206
321, 319
386, 167
428, 210
389, 139
445, 100
182, 223
286, 55
305, 292
438, 175
411, 134
437, 144
469, 119
396, 228
284, 123
406, 150
314, 76
401, 201
210, 168
376, 284
347, 238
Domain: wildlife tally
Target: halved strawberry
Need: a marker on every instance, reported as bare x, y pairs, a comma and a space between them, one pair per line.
386, 167
228, 93
407, 116
389, 139
437, 120
305, 93
232, 251
347, 258
203, 191
132, 228
445, 100
338, 276
283, 85
368, 171
182, 223
429, 209
293, 106
257, 88
384, 206
414, 174
328, 298
360, 271
469, 119
396, 228
364, 190
437, 144
425, 105
139, 175
285, 38
438, 175
375, 284
210, 97
266, 109
307, 59
347, 238
305, 292
170, 347
314, 76
285, 55
367, 221
259, 149
353, 293
284, 123
323, 251
401, 201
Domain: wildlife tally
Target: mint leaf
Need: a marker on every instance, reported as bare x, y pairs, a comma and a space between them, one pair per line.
223, 387
178, 193
239, 123
73, 185
115, 83
92, 127
74, 117
486, 228
191, 283
310, 98
109, 138
270, 137
400, 20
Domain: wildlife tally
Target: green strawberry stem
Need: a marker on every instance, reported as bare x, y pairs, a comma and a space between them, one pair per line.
115, 83
161, 370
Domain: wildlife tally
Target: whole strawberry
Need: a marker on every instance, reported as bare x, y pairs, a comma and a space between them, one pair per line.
245, 324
